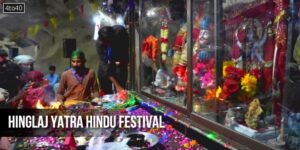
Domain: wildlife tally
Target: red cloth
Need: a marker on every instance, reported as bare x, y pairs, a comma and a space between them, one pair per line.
81, 10
34, 76
36, 92
196, 32
46, 23
281, 43
70, 143
255, 12
32, 96
268, 57
178, 44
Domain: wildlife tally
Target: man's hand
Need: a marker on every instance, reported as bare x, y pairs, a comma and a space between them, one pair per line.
116, 83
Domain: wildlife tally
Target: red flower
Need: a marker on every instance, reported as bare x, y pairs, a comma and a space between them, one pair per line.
234, 72
231, 86
180, 71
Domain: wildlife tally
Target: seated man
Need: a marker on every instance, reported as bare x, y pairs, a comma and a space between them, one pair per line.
26, 63
36, 89
78, 83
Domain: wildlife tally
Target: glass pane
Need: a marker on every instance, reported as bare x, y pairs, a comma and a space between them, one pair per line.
249, 99
163, 47
291, 109
204, 84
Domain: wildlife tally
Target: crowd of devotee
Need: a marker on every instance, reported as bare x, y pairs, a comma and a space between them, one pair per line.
22, 86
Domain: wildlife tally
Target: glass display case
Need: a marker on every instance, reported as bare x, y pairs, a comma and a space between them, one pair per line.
251, 90
230, 65
163, 33
204, 59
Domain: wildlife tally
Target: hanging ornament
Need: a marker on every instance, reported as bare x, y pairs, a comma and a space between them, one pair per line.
30, 30
81, 10
36, 29
46, 23
71, 15
53, 21
94, 6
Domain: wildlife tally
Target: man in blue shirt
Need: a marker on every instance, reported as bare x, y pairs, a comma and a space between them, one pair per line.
52, 77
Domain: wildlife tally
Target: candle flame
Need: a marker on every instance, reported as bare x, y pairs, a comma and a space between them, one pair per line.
55, 105
39, 105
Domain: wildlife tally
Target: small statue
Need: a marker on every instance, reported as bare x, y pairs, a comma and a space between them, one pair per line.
229, 119
162, 79
203, 46
253, 113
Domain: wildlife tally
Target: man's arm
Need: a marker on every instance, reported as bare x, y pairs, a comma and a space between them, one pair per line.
106, 68
61, 88
116, 83
95, 86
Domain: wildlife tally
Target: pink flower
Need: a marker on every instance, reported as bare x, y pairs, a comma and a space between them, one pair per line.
199, 67
207, 79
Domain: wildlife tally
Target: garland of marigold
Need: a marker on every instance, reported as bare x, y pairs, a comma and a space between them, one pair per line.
164, 40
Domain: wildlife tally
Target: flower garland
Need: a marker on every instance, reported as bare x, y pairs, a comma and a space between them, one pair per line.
164, 40
150, 46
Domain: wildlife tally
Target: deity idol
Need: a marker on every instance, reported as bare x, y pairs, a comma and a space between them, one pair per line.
252, 47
